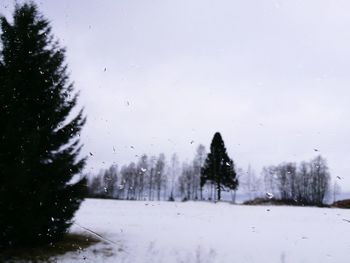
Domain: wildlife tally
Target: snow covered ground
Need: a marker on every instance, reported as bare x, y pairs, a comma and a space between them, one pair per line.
201, 232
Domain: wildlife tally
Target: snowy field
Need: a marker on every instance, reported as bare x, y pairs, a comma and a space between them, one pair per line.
200, 232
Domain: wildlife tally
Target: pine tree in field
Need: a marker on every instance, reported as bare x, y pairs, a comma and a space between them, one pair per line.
219, 168
39, 134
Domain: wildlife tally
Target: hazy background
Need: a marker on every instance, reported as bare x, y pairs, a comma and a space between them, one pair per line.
271, 76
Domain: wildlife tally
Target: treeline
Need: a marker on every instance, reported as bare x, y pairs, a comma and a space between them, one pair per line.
306, 183
151, 178
210, 174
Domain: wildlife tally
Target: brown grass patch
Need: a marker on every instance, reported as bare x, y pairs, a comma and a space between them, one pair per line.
71, 242
342, 203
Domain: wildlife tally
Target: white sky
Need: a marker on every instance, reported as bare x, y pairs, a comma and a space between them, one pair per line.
272, 76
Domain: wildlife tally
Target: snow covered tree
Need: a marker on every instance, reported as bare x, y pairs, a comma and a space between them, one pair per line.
160, 176
198, 163
219, 168
320, 180
39, 143
336, 191
174, 168
186, 182
95, 188
110, 179
251, 183
142, 170
128, 181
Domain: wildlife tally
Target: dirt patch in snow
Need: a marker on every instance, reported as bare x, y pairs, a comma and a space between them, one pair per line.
72, 242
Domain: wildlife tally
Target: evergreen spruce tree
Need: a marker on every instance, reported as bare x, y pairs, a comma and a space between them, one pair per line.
39, 142
219, 168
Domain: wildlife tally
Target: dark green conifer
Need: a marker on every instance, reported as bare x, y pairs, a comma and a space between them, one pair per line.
39, 135
218, 168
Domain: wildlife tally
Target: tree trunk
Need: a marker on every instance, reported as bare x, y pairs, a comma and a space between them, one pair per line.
219, 192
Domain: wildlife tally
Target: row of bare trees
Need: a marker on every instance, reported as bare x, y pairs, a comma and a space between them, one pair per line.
145, 179
306, 183
151, 178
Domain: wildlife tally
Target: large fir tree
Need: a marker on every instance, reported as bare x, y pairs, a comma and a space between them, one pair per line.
39, 135
219, 168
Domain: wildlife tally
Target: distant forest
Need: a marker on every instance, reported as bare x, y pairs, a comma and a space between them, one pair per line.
154, 178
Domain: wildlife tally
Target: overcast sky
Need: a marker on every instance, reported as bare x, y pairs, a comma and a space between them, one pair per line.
272, 76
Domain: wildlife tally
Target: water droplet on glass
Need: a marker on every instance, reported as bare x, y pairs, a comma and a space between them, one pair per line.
269, 195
